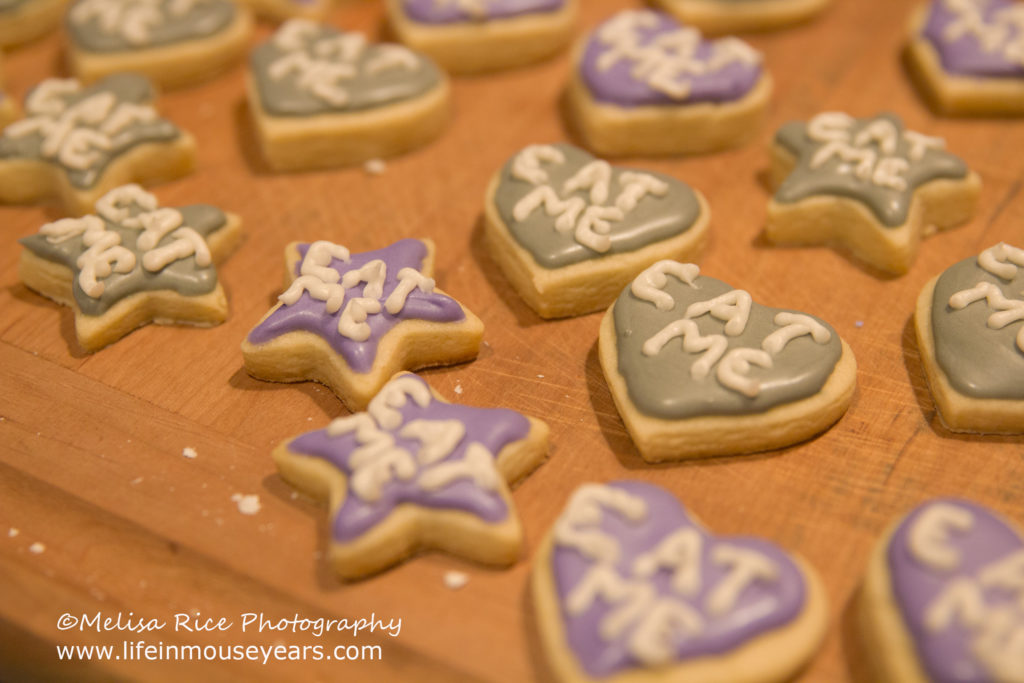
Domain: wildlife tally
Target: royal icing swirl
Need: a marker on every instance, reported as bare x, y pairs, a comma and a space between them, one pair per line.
353, 301
410, 448
957, 576
689, 345
872, 160
642, 57
308, 68
82, 130
641, 584
564, 206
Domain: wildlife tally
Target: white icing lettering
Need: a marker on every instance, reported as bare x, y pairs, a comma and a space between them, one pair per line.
1002, 260
527, 164
352, 322
732, 372
384, 406
579, 525
649, 285
439, 438
679, 552
713, 345
929, 538
1007, 310
477, 465
746, 567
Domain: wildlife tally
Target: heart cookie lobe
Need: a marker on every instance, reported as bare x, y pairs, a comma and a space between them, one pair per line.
697, 368
628, 584
570, 230
644, 84
970, 331
943, 599
322, 98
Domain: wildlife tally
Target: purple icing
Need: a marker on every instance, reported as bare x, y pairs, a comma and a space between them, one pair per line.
310, 315
494, 428
616, 85
449, 12
945, 655
965, 55
761, 607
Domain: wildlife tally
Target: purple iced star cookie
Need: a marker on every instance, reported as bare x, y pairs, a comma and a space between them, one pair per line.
351, 321
416, 472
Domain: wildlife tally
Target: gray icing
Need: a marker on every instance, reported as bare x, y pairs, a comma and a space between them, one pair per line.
979, 361
25, 139
182, 276
890, 205
661, 386
654, 218
120, 25
301, 50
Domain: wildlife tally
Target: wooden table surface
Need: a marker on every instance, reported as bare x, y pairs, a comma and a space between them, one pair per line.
91, 462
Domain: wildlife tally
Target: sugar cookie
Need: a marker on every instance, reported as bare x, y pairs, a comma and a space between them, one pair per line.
942, 598
629, 586
570, 231
643, 84
736, 16
24, 20
965, 55
171, 42
77, 143
869, 185
970, 334
132, 263
322, 98
696, 368
351, 321
475, 36
416, 472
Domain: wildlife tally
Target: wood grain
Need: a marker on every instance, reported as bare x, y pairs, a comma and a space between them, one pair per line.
90, 445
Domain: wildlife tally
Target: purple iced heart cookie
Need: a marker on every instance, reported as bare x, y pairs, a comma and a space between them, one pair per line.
629, 583
943, 599
646, 84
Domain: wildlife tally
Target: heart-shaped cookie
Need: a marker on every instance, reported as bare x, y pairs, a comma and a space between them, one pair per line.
570, 230
646, 84
173, 42
477, 36
965, 55
943, 598
321, 97
970, 331
738, 16
629, 584
696, 368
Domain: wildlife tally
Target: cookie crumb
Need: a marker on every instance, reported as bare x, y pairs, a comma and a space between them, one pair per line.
458, 389
36, 548
248, 504
455, 580
375, 166
137, 480
540, 376
859, 324
12, 532
189, 453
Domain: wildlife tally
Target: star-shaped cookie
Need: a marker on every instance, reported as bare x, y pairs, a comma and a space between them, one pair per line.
351, 321
77, 143
416, 472
869, 185
132, 263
